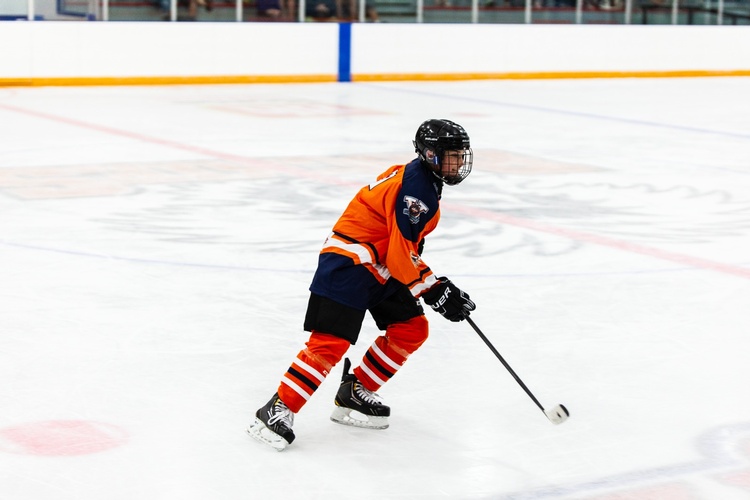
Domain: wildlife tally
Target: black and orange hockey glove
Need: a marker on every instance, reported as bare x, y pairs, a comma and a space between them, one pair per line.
449, 300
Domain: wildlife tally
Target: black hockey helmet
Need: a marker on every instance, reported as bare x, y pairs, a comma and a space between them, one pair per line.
435, 137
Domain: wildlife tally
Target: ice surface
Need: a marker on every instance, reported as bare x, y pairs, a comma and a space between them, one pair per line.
156, 245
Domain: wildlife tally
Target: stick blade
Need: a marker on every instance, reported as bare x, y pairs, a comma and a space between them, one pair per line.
557, 414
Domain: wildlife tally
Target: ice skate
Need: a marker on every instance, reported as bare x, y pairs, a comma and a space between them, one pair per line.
357, 406
273, 424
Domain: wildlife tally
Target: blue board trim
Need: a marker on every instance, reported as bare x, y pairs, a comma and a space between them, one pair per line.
345, 52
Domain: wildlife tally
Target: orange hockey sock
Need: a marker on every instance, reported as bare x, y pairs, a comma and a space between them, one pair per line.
310, 368
390, 351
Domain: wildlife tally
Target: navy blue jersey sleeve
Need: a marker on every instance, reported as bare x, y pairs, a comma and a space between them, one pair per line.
418, 201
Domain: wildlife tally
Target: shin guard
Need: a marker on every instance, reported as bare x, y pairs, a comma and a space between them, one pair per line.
310, 368
390, 351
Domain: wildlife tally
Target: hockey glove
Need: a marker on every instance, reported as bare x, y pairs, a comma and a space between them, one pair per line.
447, 299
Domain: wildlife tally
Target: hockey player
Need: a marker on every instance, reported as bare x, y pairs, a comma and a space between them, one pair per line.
372, 262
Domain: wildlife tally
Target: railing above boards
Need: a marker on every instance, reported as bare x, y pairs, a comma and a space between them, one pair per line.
713, 11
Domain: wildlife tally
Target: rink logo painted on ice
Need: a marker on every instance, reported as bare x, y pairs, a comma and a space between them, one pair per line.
414, 208
128, 178
726, 462
123, 179
55, 438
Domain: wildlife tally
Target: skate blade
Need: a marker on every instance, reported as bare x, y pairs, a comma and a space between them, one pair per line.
347, 416
258, 431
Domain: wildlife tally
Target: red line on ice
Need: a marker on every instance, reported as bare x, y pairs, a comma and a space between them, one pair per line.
594, 239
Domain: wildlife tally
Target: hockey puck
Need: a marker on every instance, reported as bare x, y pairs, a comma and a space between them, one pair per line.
557, 414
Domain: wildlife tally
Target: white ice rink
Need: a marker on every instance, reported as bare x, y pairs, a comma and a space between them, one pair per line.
156, 245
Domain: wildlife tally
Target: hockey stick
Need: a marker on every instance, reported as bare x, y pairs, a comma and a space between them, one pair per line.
557, 414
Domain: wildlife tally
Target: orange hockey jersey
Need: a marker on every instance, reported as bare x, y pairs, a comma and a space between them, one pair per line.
380, 233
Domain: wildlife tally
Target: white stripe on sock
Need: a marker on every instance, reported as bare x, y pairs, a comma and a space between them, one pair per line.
388, 361
293, 386
371, 374
309, 369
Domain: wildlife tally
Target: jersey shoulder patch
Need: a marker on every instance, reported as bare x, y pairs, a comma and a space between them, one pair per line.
417, 201
414, 208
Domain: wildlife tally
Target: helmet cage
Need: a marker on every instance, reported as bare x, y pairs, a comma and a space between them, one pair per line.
435, 139
464, 158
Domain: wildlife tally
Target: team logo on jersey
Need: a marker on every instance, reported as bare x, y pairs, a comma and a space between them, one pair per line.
414, 208
415, 259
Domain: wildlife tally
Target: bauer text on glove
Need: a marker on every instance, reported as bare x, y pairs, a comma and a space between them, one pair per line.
447, 299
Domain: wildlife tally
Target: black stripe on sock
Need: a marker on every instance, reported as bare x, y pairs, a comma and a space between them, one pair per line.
309, 383
377, 365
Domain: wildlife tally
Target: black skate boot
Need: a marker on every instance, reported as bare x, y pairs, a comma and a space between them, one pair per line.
357, 406
273, 424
